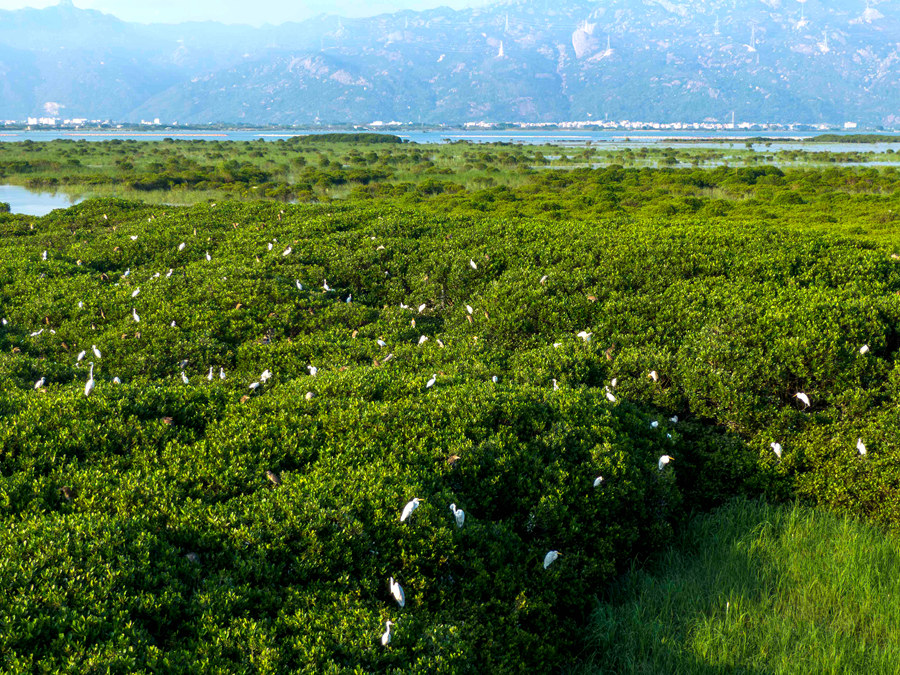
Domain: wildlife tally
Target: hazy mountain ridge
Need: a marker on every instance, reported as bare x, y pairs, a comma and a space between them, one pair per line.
661, 60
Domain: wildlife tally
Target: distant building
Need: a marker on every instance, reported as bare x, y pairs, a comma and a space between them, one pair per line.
850, 125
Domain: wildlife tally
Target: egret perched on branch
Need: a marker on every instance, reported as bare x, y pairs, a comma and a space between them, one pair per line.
665, 459
598, 480
210, 375
44, 255
409, 508
422, 307
184, 378
254, 386
555, 384
89, 386
266, 374
469, 309
208, 257
381, 343
39, 383
133, 237
134, 315
610, 397
584, 335
397, 592
803, 398
37, 332
116, 380
80, 356
654, 424
472, 264
181, 246
430, 383
864, 349
96, 351
135, 292
860, 446
325, 285
544, 279
458, 514
287, 251
423, 339
312, 370
386, 636
776, 448
550, 558
169, 273
298, 284
653, 375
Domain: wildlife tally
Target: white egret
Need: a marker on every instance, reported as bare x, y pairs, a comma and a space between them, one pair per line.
397, 592
422, 307
221, 373
409, 508
610, 397
472, 264
674, 419
386, 359
325, 285
349, 299
254, 386
543, 278
287, 251
5, 322
37, 332
184, 378
864, 349
423, 339
440, 344
271, 245
133, 237
80, 356
653, 375
495, 379
169, 273
469, 309
209, 376
312, 370
298, 284
116, 380
584, 335
430, 383
172, 325
135, 292
803, 398
458, 514
614, 383
598, 480
550, 558
183, 364
39, 383
96, 351
208, 257
386, 636
181, 246
555, 385
127, 272
80, 304
402, 306
44, 255
381, 343
155, 276
860, 446
776, 448
266, 374
665, 459
654, 424
89, 385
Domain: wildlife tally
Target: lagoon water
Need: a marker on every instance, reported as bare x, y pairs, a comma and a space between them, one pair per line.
30, 203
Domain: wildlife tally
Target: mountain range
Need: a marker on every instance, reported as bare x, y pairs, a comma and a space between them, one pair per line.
518, 60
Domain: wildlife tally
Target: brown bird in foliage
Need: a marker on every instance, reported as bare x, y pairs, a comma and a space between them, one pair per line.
67, 492
272, 476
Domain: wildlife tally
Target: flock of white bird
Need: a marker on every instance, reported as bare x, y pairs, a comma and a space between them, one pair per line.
459, 516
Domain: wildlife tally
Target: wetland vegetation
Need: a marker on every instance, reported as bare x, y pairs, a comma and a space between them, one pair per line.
228, 496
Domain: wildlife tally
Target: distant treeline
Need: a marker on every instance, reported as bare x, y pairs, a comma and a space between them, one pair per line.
349, 138
855, 138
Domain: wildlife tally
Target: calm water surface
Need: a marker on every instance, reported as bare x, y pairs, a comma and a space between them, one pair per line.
30, 203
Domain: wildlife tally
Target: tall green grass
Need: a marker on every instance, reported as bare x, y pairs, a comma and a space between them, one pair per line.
754, 588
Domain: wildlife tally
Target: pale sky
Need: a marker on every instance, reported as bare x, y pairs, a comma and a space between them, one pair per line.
256, 12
